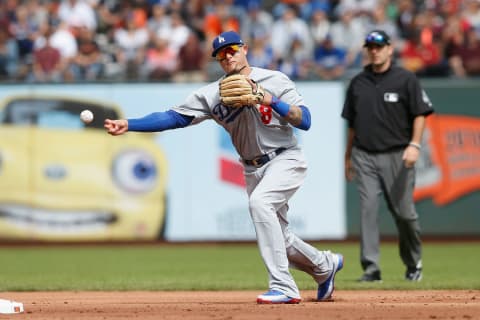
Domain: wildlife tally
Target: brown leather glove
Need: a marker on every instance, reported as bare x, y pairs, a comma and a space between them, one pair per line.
239, 91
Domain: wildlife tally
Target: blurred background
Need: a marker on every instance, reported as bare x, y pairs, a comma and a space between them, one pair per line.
62, 180
169, 40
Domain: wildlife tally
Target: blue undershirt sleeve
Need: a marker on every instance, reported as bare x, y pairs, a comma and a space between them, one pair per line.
159, 121
282, 108
306, 119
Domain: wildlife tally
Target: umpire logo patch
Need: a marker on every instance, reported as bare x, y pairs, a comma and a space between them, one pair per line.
390, 97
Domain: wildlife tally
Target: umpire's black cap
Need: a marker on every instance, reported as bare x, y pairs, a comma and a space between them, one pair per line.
225, 39
378, 37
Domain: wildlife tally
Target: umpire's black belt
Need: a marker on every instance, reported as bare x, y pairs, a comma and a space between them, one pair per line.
261, 160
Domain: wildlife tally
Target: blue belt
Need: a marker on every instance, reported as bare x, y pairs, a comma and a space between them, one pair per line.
261, 160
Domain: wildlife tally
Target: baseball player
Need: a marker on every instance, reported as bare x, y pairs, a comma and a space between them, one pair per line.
259, 109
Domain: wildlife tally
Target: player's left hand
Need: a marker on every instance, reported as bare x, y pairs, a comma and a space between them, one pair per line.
239, 91
410, 156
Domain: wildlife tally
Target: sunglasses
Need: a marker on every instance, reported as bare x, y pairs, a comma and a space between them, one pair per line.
376, 38
222, 54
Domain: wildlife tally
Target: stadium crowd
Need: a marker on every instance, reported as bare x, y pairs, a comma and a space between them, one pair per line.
170, 40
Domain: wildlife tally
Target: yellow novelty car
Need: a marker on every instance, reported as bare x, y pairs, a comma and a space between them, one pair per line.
62, 180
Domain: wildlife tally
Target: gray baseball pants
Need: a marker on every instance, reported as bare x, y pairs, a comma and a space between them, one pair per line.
378, 173
269, 188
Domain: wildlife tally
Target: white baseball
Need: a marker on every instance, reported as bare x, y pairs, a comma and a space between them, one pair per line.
86, 116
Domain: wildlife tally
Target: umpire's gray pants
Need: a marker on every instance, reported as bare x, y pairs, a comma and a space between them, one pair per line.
378, 173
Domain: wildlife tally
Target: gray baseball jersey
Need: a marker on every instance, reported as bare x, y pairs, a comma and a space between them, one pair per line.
254, 131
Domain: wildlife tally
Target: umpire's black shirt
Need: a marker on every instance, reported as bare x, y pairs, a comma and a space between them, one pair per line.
380, 107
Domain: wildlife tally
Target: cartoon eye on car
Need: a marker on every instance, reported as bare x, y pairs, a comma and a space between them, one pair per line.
63, 180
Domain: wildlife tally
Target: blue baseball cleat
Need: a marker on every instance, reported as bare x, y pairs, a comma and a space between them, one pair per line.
276, 297
325, 289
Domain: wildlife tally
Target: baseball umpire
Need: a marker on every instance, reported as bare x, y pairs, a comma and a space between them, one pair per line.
385, 108
259, 109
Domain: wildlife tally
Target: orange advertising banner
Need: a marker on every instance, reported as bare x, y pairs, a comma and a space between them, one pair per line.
449, 167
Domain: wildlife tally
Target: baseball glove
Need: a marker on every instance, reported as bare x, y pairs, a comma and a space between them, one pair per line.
239, 91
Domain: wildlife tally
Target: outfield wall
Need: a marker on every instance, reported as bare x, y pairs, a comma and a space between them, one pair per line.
205, 198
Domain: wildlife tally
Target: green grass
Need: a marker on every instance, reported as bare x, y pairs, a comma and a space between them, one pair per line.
214, 267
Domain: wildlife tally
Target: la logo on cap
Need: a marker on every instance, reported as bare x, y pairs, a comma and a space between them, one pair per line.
221, 39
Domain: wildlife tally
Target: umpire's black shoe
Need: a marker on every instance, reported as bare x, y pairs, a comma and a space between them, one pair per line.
413, 274
371, 277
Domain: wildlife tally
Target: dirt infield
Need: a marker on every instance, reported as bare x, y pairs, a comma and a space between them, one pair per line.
236, 305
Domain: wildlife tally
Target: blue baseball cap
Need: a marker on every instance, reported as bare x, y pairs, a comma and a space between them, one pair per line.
225, 39
378, 37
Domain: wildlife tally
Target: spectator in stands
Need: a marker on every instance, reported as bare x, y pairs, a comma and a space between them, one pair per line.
452, 33
24, 29
108, 17
287, 30
295, 63
195, 10
303, 7
449, 8
257, 21
63, 40
190, 61
472, 14
220, 19
179, 31
4, 17
348, 34
329, 61
423, 58
131, 43
38, 12
423, 51
404, 17
8, 56
87, 64
245, 4
159, 22
465, 58
361, 7
379, 21
77, 13
260, 53
319, 24
160, 59
48, 65
179, 5
430, 26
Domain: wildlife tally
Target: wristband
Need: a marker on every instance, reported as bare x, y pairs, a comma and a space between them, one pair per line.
282, 108
416, 145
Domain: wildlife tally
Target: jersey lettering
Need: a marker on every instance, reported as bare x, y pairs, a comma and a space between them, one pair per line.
265, 113
225, 114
